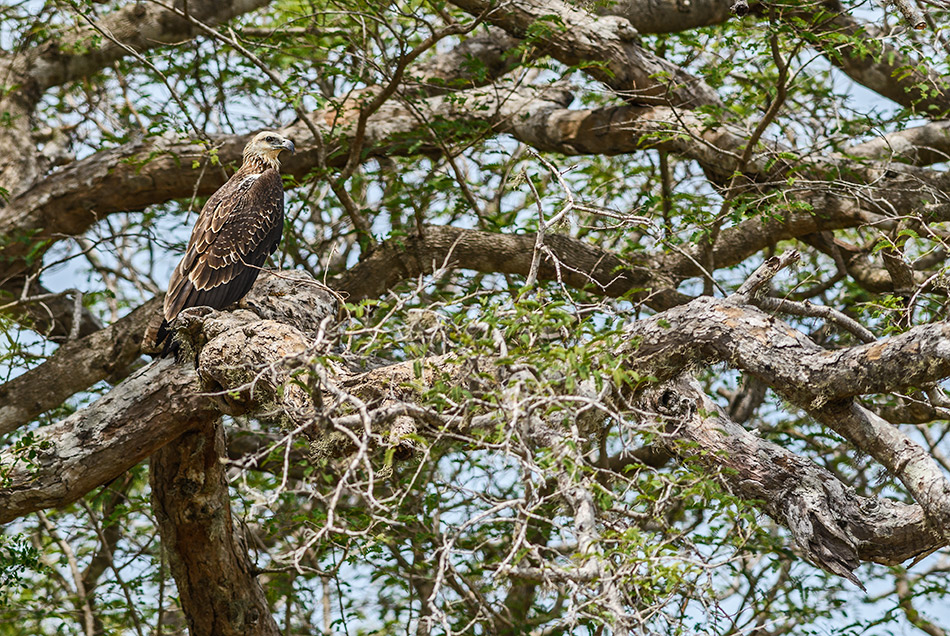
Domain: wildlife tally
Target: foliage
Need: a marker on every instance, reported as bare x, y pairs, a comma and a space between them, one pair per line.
471, 534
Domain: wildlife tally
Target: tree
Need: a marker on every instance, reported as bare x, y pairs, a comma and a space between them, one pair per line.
613, 315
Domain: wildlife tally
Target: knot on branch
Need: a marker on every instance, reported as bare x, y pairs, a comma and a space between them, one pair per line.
620, 25
740, 8
670, 403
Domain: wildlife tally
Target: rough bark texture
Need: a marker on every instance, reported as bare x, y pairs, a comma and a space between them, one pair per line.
880, 66
252, 362
275, 358
147, 410
833, 526
76, 365
575, 37
821, 382
668, 16
218, 589
95, 445
573, 262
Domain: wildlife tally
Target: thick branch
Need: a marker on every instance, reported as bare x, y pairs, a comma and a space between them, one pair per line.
575, 263
821, 382
95, 445
834, 527
219, 593
605, 47
786, 359
143, 413
858, 49
921, 145
139, 26
739, 242
742, 335
255, 364
668, 16
76, 365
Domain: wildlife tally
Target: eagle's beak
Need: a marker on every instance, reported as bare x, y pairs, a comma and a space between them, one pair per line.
289, 145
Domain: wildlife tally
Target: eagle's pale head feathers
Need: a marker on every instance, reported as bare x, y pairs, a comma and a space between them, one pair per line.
266, 146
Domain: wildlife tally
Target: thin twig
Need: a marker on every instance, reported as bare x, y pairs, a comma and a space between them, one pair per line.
812, 310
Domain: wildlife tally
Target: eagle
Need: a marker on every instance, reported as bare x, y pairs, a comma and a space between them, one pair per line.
238, 228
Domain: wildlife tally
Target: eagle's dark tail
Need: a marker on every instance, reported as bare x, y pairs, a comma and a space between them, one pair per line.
166, 340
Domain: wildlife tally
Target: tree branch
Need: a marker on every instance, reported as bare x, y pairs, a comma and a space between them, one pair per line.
76, 365
253, 364
575, 263
578, 38
821, 382
875, 64
920, 145
139, 26
833, 526
95, 445
668, 16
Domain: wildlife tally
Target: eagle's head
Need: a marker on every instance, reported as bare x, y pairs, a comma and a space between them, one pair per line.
266, 146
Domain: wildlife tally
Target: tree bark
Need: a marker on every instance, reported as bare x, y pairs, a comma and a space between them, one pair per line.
63, 462
833, 526
76, 365
822, 382
219, 592
575, 37
262, 365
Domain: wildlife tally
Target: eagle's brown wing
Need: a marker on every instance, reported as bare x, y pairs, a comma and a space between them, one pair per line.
238, 228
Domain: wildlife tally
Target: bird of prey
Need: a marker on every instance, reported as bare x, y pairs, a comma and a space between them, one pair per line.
237, 229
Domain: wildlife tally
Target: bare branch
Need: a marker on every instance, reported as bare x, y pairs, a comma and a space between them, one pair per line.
96, 444
575, 37
821, 382
921, 145
832, 525
138, 26
255, 364
581, 265
76, 365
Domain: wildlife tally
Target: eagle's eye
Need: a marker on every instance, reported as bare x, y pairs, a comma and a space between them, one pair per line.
271, 140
